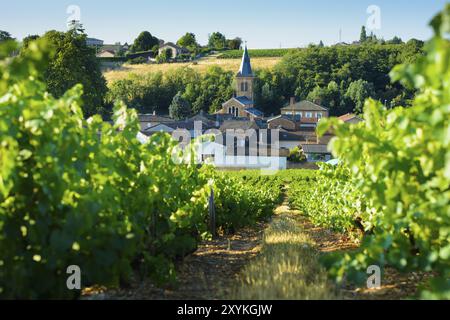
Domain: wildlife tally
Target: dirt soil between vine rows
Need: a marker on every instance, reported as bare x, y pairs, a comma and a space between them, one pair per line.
215, 268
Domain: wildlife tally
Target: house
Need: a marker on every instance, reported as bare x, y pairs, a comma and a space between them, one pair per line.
242, 105
283, 122
106, 54
316, 152
305, 113
243, 153
290, 140
150, 120
176, 50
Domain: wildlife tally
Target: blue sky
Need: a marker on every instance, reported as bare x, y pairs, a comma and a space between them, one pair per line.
262, 23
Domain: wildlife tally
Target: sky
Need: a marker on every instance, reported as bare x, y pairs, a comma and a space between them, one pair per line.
262, 23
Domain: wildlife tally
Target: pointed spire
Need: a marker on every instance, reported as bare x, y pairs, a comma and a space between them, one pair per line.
246, 67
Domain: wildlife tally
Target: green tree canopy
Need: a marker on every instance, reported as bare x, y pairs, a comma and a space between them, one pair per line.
144, 42
28, 39
188, 41
180, 108
5, 35
217, 41
73, 63
358, 91
234, 44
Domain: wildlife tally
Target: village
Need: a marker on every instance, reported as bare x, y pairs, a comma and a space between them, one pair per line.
267, 141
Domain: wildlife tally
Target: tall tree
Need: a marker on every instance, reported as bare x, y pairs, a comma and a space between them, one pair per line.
74, 62
363, 36
180, 108
144, 42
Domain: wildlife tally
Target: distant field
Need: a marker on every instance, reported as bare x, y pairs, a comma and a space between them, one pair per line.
256, 53
201, 66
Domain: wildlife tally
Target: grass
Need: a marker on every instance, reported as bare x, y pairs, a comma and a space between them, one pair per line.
201, 66
287, 268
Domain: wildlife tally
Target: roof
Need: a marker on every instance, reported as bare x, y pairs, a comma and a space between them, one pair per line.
154, 118
246, 68
173, 45
281, 116
316, 148
244, 100
304, 105
239, 124
107, 51
159, 127
254, 112
349, 117
287, 136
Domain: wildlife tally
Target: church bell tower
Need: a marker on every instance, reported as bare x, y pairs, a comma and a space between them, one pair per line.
245, 78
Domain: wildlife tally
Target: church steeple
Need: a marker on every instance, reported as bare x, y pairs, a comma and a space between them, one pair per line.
245, 77
246, 67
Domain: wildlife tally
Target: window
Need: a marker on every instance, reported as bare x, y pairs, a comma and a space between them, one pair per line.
244, 86
289, 113
309, 115
300, 114
319, 115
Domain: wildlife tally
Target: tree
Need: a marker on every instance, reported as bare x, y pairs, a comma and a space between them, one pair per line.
5, 35
144, 42
297, 155
217, 41
321, 45
358, 92
28, 39
73, 63
180, 108
395, 40
363, 36
188, 41
234, 44
165, 56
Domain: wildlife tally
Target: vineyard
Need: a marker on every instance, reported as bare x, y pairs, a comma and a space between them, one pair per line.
256, 53
76, 191
393, 182
88, 193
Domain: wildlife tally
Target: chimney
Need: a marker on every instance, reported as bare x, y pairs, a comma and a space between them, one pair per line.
292, 101
318, 101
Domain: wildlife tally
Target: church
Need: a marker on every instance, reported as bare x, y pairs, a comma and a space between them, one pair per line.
242, 104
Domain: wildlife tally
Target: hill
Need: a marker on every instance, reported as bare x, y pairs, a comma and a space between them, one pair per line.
201, 66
